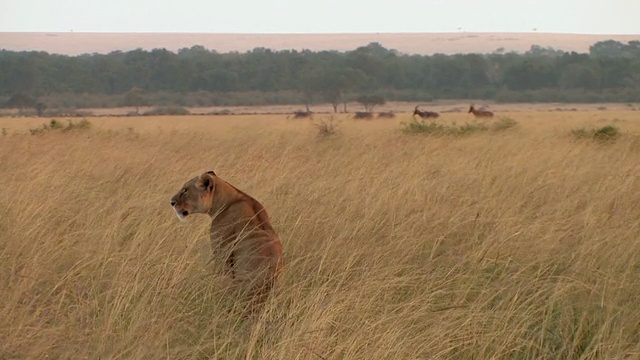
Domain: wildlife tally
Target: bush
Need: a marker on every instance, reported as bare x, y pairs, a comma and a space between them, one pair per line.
433, 128
326, 127
605, 133
83, 124
503, 123
54, 125
422, 127
467, 129
581, 133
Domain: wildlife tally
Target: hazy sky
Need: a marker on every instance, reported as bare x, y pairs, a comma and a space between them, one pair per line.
324, 16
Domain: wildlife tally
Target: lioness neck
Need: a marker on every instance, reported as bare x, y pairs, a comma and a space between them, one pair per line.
224, 195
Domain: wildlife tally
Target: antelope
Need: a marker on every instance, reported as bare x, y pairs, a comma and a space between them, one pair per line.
425, 114
362, 115
480, 113
386, 115
302, 114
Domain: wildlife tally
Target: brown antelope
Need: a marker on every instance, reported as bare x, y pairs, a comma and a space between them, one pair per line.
386, 115
363, 115
302, 114
480, 113
425, 114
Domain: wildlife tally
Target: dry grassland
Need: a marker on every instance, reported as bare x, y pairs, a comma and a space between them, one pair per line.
519, 244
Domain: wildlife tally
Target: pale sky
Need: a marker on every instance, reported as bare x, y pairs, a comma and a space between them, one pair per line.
326, 16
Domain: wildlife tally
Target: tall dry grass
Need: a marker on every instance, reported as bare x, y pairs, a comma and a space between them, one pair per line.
520, 244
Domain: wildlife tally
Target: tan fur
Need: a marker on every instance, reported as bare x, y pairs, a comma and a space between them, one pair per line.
480, 113
241, 231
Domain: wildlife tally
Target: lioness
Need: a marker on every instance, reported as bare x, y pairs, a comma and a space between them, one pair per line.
240, 231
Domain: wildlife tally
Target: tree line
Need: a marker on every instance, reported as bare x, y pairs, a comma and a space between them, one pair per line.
609, 72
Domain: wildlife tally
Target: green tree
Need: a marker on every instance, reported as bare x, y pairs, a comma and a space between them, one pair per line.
20, 101
531, 73
608, 48
40, 108
135, 97
334, 84
220, 80
370, 101
540, 74
580, 76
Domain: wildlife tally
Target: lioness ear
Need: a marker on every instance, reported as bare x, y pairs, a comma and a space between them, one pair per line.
206, 181
210, 172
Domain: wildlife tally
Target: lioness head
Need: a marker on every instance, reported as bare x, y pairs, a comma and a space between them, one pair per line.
195, 197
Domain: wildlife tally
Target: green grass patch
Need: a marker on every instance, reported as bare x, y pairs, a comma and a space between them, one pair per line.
434, 128
55, 125
605, 133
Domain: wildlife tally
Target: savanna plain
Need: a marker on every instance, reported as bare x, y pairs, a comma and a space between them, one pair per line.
518, 242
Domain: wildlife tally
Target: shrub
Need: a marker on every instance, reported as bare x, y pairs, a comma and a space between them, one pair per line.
467, 128
326, 127
54, 125
83, 124
580, 133
421, 127
503, 123
605, 133
433, 128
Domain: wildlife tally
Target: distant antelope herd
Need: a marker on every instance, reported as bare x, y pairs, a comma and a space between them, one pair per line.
481, 113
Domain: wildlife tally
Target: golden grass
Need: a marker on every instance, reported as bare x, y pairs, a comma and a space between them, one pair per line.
520, 244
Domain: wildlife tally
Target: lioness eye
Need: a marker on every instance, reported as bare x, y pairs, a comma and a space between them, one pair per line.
184, 191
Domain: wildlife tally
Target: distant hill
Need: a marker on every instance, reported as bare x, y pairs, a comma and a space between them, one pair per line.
72, 43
